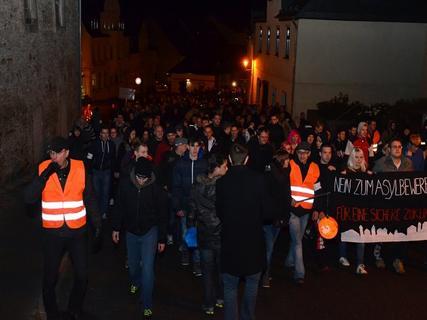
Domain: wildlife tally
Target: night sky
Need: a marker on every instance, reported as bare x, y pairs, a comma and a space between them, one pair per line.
233, 12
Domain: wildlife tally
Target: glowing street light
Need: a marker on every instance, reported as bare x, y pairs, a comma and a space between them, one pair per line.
138, 80
245, 63
234, 84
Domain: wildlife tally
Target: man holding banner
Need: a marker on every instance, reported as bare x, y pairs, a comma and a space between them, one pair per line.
395, 162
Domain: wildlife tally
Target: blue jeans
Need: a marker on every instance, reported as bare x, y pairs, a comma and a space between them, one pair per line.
297, 227
212, 280
270, 234
184, 247
102, 185
360, 251
141, 254
247, 309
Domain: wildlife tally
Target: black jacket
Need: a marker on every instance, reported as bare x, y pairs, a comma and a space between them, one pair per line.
102, 155
279, 189
184, 175
202, 204
260, 155
165, 170
138, 209
242, 205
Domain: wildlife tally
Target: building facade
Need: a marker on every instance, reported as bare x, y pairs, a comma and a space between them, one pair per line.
305, 52
112, 59
40, 78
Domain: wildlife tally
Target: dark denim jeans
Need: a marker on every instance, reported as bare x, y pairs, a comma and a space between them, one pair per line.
231, 285
270, 234
102, 185
141, 255
360, 251
212, 280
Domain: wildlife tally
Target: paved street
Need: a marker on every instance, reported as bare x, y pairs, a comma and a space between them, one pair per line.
336, 295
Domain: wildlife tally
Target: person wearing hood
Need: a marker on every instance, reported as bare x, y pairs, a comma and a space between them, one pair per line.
203, 211
141, 210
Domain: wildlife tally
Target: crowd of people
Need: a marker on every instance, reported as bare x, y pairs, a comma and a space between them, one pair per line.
237, 174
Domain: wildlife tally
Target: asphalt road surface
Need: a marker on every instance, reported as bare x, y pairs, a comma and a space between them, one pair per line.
338, 294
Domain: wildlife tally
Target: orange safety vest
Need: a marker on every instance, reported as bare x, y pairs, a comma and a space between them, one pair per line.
64, 205
300, 189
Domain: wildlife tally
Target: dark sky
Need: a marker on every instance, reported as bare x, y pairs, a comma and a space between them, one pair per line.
234, 12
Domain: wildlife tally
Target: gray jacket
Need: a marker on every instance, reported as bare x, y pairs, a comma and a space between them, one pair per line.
386, 164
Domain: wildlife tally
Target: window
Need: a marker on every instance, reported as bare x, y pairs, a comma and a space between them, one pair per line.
288, 43
277, 41
268, 40
59, 13
260, 40
93, 80
283, 99
30, 12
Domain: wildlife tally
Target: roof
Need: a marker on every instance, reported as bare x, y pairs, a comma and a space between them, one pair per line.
355, 10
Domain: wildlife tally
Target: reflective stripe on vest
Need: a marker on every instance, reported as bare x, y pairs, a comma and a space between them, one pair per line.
62, 217
303, 190
66, 205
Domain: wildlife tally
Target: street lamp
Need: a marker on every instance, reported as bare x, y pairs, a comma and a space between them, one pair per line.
138, 80
245, 62
234, 84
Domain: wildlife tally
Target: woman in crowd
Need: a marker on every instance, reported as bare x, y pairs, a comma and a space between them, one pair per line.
356, 166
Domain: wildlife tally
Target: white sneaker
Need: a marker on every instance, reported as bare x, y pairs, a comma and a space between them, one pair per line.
344, 262
361, 269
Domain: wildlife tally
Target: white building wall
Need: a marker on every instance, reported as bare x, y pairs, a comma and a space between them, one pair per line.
370, 61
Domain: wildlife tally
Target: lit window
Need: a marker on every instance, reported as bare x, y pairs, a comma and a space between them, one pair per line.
268, 40
30, 8
277, 40
93, 80
59, 13
288, 43
260, 40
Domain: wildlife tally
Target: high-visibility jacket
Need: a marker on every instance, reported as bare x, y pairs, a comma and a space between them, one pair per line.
303, 189
64, 205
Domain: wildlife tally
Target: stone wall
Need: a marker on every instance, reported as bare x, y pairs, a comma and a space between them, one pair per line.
39, 79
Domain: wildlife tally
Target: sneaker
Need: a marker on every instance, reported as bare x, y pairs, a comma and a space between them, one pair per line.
133, 289
344, 262
185, 258
148, 314
219, 303
209, 311
379, 263
197, 270
361, 269
398, 266
169, 240
266, 281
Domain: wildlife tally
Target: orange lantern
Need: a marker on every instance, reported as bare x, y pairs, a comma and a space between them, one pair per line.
328, 228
